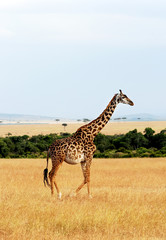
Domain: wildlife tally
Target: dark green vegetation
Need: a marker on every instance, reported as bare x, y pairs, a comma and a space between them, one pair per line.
131, 144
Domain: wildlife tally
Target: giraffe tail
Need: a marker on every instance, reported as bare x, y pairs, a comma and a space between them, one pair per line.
45, 172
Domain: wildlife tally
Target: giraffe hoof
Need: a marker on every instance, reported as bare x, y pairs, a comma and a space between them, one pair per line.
90, 196
59, 196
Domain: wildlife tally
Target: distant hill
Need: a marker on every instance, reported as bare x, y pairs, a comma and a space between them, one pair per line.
21, 118
140, 117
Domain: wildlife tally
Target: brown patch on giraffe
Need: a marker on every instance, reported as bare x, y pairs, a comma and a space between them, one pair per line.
90, 128
94, 130
103, 118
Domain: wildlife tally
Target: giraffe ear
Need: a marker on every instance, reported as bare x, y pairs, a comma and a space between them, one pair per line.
120, 91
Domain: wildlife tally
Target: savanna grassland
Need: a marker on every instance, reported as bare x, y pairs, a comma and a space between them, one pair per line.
129, 201
110, 129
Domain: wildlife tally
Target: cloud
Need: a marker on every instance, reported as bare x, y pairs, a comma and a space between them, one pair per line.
116, 23
5, 32
136, 7
11, 3
111, 29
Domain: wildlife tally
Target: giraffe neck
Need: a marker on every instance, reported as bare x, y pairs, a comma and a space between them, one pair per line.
99, 123
94, 127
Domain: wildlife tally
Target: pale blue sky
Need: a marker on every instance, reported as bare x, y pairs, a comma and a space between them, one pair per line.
67, 58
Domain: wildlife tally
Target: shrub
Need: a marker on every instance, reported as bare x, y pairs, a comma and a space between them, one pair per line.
132, 144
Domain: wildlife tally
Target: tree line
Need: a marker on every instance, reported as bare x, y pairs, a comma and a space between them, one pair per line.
131, 144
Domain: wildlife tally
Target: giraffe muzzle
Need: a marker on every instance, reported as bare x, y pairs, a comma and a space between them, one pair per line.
131, 103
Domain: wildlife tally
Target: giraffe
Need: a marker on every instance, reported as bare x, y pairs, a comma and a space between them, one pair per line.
79, 148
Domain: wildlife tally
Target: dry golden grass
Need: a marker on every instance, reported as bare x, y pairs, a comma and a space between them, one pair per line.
129, 201
110, 129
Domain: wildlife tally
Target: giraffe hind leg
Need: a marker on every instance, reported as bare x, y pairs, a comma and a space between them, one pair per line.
52, 176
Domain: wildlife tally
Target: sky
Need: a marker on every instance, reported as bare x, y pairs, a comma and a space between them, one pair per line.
67, 58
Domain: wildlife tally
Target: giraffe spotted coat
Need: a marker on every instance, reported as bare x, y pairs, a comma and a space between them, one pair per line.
79, 148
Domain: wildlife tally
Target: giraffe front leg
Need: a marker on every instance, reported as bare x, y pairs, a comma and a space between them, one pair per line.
86, 172
81, 186
87, 180
88, 183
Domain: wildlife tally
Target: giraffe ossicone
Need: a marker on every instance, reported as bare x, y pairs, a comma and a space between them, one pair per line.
79, 148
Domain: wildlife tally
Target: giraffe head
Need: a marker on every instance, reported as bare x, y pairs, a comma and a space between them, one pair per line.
122, 98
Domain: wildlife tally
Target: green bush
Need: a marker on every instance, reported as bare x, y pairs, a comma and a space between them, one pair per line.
131, 144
